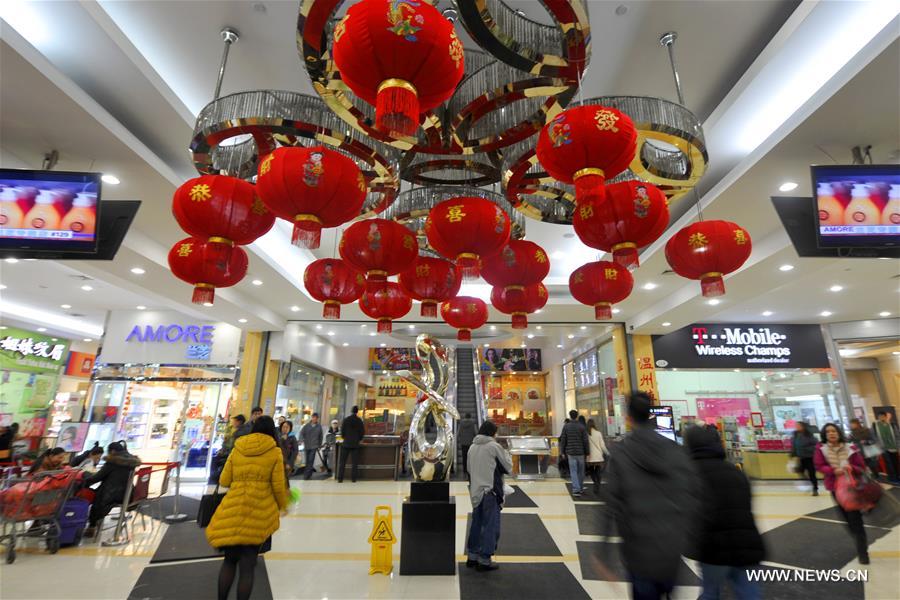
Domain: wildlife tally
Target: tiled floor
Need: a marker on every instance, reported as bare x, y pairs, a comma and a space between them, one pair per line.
321, 549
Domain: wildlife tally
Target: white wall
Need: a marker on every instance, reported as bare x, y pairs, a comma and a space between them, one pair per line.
295, 342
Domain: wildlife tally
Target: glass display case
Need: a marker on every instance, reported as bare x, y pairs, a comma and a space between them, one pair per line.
530, 454
517, 403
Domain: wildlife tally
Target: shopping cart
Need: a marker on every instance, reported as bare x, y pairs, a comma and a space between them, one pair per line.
30, 508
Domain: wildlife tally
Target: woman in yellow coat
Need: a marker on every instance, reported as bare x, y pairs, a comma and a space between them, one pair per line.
248, 514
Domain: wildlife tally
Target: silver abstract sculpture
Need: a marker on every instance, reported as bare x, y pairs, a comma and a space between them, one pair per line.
431, 460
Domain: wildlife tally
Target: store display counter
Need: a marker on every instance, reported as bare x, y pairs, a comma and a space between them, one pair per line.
530, 455
767, 464
379, 457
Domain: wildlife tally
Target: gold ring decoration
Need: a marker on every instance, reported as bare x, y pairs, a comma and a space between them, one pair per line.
221, 240
312, 218
233, 131
397, 83
711, 275
560, 51
623, 246
376, 272
448, 169
514, 288
496, 105
205, 286
468, 255
531, 190
671, 150
316, 23
411, 209
588, 171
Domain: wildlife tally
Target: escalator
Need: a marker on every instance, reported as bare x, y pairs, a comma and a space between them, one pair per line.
468, 394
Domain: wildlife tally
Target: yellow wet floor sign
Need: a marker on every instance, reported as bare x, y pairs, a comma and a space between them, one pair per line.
382, 540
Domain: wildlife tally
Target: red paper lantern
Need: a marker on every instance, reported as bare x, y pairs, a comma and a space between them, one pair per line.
312, 188
430, 281
223, 210
464, 313
534, 298
466, 230
707, 250
379, 248
519, 264
202, 264
385, 305
402, 56
586, 145
333, 282
601, 284
633, 215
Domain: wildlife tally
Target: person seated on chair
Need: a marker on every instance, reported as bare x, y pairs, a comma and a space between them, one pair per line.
89, 459
113, 478
51, 459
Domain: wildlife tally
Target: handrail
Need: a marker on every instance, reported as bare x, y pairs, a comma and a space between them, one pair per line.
480, 404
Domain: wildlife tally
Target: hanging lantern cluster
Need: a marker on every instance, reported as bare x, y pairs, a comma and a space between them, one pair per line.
519, 306
464, 313
333, 282
601, 284
431, 281
385, 304
221, 214
707, 251
379, 248
313, 188
467, 230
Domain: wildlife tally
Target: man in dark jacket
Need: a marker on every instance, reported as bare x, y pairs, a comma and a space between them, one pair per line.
466, 432
113, 477
727, 542
575, 445
653, 497
311, 435
353, 430
803, 446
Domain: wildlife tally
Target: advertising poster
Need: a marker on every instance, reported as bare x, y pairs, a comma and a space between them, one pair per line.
511, 359
393, 359
80, 364
72, 436
711, 409
786, 417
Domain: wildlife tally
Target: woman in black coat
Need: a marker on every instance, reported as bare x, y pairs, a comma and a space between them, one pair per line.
113, 477
727, 541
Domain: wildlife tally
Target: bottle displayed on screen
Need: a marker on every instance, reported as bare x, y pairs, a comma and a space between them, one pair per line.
831, 209
44, 214
891, 213
82, 217
15, 202
864, 208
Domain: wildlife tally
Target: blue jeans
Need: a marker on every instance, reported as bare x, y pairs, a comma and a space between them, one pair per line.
576, 469
649, 589
715, 576
485, 531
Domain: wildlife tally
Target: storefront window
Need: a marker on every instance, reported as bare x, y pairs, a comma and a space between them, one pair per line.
299, 393
595, 387
518, 403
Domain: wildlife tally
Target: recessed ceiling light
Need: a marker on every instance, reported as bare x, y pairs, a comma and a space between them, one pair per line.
583, 327
539, 311
141, 307
571, 336
650, 286
42, 329
522, 344
345, 344
412, 326
138, 271
616, 311
713, 301
826, 313
666, 324
382, 344
12, 261
86, 288
2, 287
330, 333
788, 186
295, 308
319, 326
110, 179
539, 327
559, 345
207, 304
786, 268
767, 313
372, 334
884, 313
530, 336
835, 288
54, 339
493, 327
66, 306
896, 353
486, 345
87, 340
242, 320
256, 282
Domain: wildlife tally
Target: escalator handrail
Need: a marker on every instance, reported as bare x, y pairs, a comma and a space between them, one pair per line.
480, 406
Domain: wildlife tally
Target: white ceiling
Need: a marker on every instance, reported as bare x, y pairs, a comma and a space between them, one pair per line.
133, 117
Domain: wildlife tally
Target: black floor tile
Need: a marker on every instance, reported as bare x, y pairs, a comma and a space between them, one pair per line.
520, 581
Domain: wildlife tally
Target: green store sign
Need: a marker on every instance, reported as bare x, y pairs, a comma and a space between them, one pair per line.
32, 352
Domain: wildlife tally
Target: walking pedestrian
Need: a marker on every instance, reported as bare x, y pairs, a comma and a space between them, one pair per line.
803, 446
596, 455
885, 431
312, 435
574, 444
249, 512
727, 542
466, 433
864, 440
487, 463
330, 442
290, 448
836, 458
353, 430
654, 533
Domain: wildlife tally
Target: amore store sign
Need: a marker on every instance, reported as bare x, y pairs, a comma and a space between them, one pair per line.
735, 345
199, 338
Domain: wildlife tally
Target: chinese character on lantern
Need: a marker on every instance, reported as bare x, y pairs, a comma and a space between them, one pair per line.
201, 192
266, 165
540, 256
422, 270
606, 120
586, 211
185, 249
740, 237
408, 242
697, 240
455, 214
610, 273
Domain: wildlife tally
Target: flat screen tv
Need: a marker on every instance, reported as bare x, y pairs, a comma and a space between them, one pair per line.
857, 205
49, 210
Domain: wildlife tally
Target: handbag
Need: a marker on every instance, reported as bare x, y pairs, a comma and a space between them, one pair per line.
208, 505
869, 489
793, 465
855, 493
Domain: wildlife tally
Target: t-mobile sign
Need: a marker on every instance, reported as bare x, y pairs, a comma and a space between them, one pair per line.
736, 345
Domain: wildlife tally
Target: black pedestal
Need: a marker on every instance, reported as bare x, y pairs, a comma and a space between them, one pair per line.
428, 539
